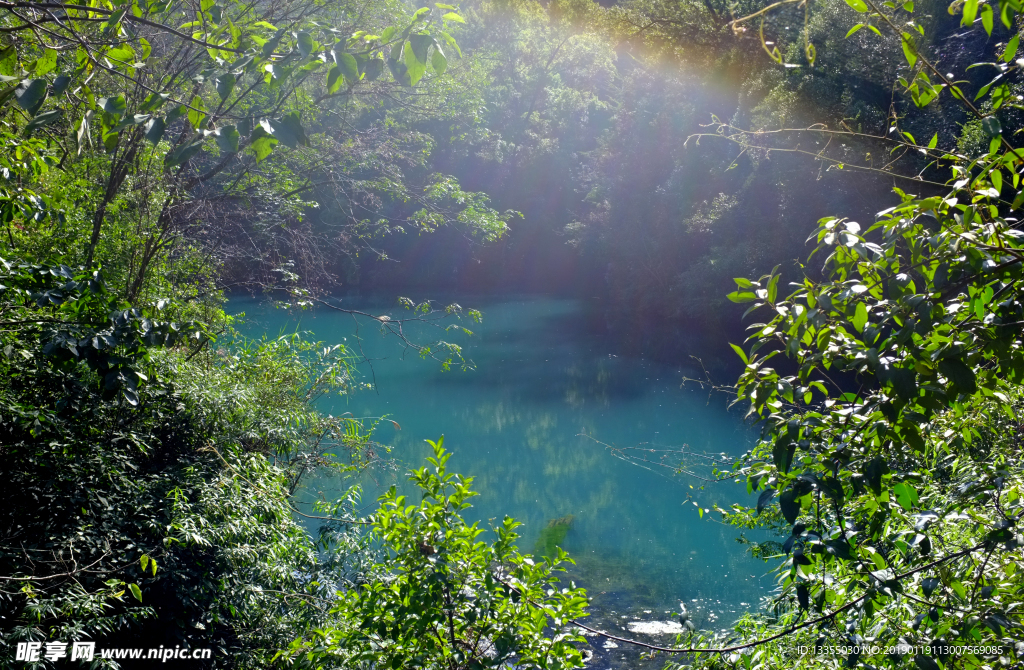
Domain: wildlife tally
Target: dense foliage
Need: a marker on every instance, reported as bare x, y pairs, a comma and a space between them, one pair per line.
150, 503
591, 123
153, 155
888, 386
157, 154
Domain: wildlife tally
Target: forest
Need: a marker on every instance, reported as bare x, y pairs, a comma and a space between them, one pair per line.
832, 184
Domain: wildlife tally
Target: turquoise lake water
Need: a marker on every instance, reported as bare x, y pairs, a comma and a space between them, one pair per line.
552, 423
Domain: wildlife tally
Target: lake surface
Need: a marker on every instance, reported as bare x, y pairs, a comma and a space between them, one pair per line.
553, 425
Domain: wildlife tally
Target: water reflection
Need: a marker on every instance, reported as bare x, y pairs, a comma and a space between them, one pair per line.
547, 425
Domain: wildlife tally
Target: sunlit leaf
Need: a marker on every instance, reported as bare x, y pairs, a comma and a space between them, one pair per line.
349, 68
335, 79
1011, 48
909, 50
45, 63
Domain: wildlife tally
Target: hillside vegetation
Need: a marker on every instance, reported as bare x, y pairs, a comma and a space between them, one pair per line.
156, 156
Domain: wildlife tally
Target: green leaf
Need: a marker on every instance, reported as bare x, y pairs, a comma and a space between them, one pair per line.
245, 126
8, 60
196, 112
773, 288
860, 317
271, 44
110, 141
45, 63
136, 591
858, 5
909, 50
934, 141
263, 146
373, 69
349, 68
132, 120
452, 16
741, 296
970, 12
873, 473
782, 453
438, 61
450, 41
831, 487
30, 95
904, 382
399, 71
766, 497
840, 548
144, 562
789, 504
926, 663
288, 131
854, 29
739, 352
131, 395
906, 495
334, 79
227, 138
61, 84
44, 119
986, 19
182, 154
225, 85
115, 106
416, 56
122, 55
960, 374
991, 126
999, 535
153, 102
420, 45
305, 44
1011, 48
176, 113
803, 596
